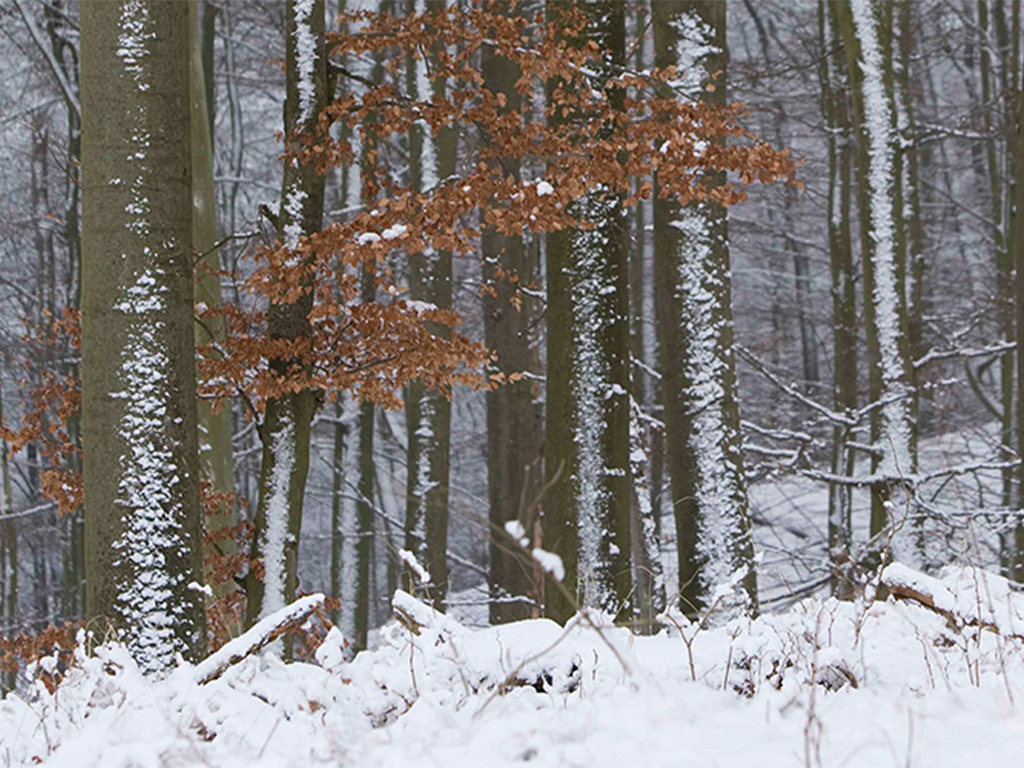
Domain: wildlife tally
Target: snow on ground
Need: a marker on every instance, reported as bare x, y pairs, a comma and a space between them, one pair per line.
896, 685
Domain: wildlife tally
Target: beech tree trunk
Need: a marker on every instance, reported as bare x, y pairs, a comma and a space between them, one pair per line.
8, 551
866, 28
428, 412
513, 418
594, 451
835, 95
141, 472
691, 251
285, 429
216, 456
1016, 115
365, 529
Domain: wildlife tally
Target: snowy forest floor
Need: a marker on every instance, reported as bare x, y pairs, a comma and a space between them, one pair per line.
823, 684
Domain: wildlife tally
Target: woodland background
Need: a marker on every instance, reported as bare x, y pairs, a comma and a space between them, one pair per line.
959, 81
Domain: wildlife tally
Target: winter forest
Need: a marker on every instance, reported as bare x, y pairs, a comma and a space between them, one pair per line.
477, 382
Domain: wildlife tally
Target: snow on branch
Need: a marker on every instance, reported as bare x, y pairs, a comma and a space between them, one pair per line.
263, 633
964, 595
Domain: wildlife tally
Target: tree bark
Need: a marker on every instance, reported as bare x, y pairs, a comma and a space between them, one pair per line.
596, 450
428, 412
143, 523
285, 429
867, 35
8, 551
215, 449
701, 408
835, 95
1016, 113
513, 418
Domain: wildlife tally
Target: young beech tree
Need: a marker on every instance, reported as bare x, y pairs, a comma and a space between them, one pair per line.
141, 471
284, 429
428, 412
866, 28
834, 98
691, 252
594, 150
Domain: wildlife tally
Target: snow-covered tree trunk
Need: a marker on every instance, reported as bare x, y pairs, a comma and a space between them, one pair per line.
428, 413
834, 92
698, 364
285, 429
869, 68
596, 451
143, 524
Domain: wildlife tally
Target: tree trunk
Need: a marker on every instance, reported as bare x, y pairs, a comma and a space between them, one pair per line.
869, 68
1016, 126
691, 254
428, 412
365, 530
215, 449
8, 551
835, 94
513, 419
596, 450
650, 583
138, 390
286, 423
337, 507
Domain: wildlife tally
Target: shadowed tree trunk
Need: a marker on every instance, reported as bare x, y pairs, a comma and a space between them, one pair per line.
866, 29
834, 96
8, 551
513, 418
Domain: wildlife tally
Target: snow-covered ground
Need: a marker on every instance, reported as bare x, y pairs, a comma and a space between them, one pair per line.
826, 683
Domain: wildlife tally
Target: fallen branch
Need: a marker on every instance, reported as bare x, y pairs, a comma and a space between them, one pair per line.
263, 633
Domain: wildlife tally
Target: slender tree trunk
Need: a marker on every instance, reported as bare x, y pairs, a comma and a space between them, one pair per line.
337, 507
1016, 126
138, 389
645, 534
513, 418
869, 68
698, 364
835, 95
215, 432
999, 194
428, 412
8, 551
365, 529
286, 423
912, 226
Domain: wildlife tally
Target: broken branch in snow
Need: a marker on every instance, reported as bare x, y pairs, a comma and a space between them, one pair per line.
262, 634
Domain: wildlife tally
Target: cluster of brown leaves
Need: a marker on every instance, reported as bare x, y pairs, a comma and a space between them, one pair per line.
23, 649
602, 133
55, 402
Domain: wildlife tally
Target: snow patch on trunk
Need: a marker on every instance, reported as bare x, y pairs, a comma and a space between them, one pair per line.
275, 537
894, 443
305, 56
